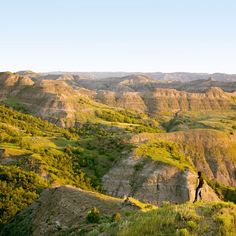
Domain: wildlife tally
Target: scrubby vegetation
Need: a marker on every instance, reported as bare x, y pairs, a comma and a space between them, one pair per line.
162, 151
187, 219
79, 156
93, 216
98, 149
13, 103
140, 122
32, 160
18, 189
116, 217
225, 193
223, 121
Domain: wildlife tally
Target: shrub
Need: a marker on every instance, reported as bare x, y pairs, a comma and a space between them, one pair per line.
116, 217
139, 166
93, 216
183, 232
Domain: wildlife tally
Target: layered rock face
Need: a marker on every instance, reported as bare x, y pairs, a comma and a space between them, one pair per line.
142, 94
11, 84
128, 100
210, 151
54, 100
154, 182
173, 100
168, 100
58, 97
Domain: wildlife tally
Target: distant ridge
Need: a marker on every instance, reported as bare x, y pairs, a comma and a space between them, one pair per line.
173, 76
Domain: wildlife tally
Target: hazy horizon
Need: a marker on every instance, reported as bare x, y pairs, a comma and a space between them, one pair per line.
131, 72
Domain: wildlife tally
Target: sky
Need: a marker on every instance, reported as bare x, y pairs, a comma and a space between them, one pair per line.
118, 35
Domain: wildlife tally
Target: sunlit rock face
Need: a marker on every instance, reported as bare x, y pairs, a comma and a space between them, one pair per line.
154, 183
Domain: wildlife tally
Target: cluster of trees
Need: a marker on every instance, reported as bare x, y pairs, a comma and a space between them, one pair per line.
143, 128
124, 116
99, 147
18, 189
20, 182
27, 124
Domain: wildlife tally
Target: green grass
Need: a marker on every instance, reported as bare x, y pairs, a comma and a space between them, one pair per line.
79, 157
62, 142
218, 219
34, 146
98, 149
9, 145
13, 102
223, 121
163, 151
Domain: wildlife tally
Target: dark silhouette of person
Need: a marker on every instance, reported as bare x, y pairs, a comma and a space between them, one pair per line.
198, 193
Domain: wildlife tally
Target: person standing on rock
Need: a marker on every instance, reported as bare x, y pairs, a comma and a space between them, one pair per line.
198, 193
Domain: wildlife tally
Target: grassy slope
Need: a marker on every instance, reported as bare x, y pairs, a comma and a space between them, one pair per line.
163, 151
216, 219
70, 206
30, 161
79, 157
218, 125
218, 120
186, 148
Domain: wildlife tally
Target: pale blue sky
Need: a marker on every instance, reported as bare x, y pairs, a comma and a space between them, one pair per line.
118, 35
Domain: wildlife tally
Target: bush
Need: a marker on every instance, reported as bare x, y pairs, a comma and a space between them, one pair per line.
93, 216
116, 217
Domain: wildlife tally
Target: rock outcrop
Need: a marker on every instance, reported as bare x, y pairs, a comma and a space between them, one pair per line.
210, 151
128, 100
167, 100
162, 100
154, 182
11, 84
62, 210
